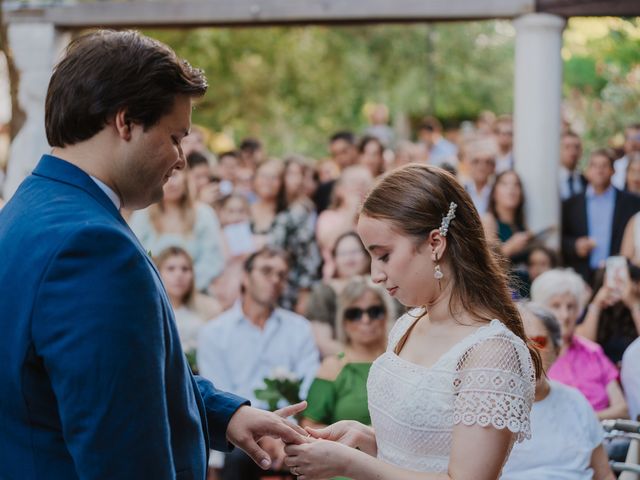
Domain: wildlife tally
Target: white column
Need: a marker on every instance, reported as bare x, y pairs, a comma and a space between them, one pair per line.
36, 48
538, 93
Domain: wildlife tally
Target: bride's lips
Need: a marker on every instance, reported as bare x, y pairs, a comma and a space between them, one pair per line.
392, 291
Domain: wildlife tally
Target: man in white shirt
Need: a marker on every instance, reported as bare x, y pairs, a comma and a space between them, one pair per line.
570, 180
631, 144
249, 341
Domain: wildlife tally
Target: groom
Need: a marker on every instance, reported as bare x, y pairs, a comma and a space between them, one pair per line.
93, 382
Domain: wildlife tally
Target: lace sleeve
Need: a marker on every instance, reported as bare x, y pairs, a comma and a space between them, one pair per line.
495, 384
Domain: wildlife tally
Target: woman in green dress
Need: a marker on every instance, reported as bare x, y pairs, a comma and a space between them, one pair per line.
339, 391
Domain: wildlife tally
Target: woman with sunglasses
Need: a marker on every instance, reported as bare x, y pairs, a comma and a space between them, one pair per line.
452, 392
566, 436
339, 391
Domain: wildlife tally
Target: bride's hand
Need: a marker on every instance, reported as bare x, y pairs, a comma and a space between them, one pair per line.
350, 433
317, 459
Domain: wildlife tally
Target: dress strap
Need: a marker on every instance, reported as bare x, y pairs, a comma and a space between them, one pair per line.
400, 345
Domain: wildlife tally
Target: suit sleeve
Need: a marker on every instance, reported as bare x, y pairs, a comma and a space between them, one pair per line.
98, 327
568, 236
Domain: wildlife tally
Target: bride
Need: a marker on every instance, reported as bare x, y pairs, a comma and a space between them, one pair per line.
455, 387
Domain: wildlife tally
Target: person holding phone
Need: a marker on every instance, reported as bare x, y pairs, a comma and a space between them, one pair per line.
613, 315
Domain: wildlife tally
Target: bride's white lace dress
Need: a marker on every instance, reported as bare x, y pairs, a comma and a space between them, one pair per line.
485, 379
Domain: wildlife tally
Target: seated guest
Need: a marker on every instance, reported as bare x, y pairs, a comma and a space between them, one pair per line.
293, 230
613, 316
350, 259
440, 151
199, 174
242, 346
235, 217
504, 221
566, 436
371, 155
581, 363
177, 221
191, 309
630, 375
339, 391
480, 160
266, 185
348, 194
540, 260
593, 221
344, 154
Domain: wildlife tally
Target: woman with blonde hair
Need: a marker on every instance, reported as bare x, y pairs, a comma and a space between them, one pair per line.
453, 391
191, 309
339, 391
177, 221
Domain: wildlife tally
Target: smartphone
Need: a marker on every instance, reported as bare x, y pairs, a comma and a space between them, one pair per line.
617, 273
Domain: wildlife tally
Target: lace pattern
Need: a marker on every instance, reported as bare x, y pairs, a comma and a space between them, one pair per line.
487, 379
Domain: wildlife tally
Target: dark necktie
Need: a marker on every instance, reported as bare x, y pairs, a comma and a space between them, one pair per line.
570, 183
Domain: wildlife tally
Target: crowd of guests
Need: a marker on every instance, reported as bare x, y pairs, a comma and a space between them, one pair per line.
265, 272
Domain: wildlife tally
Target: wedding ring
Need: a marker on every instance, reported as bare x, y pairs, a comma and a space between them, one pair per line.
294, 471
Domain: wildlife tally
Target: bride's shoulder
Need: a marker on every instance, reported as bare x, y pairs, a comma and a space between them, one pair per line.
401, 325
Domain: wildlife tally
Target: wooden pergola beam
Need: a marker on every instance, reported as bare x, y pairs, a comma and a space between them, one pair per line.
589, 8
200, 13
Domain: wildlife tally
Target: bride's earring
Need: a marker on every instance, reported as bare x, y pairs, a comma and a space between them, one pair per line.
437, 274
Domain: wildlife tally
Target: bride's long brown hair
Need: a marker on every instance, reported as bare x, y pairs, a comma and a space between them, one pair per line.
414, 198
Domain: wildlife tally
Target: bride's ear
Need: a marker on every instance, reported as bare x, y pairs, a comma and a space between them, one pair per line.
437, 244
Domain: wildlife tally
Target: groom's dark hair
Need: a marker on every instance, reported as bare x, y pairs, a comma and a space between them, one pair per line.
106, 71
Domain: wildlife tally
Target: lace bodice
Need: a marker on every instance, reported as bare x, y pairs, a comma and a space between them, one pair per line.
485, 379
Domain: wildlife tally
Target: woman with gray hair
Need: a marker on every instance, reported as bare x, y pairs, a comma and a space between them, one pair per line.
339, 391
581, 363
566, 436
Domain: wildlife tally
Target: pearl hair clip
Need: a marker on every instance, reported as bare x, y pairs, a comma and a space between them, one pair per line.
446, 220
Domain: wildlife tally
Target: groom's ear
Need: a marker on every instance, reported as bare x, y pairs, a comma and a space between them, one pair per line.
123, 124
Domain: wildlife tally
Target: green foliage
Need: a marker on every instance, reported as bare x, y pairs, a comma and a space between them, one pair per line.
294, 86
277, 389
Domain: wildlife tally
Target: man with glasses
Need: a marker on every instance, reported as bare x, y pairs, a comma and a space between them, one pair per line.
245, 344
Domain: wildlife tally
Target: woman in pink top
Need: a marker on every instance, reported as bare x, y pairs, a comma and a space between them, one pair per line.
582, 363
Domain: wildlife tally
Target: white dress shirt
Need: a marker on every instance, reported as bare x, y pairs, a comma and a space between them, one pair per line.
563, 182
236, 355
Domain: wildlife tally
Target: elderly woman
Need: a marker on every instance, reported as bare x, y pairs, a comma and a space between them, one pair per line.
581, 363
566, 436
339, 391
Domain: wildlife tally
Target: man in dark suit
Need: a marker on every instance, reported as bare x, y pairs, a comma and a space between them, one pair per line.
94, 382
570, 181
593, 222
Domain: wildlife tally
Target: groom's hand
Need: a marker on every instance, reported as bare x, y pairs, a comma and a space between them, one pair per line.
248, 425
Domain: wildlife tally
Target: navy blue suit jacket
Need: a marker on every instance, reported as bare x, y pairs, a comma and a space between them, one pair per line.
93, 382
